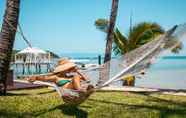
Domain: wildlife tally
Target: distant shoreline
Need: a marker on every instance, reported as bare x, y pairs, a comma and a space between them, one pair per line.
174, 57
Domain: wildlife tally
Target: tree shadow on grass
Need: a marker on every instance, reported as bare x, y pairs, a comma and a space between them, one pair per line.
68, 110
164, 110
45, 92
157, 99
73, 111
11, 114
15, 94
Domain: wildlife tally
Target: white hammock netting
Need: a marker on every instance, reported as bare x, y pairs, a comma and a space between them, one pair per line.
138, 59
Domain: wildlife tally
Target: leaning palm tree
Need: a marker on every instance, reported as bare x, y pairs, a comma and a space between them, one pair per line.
111, 26
7, 37
109, 40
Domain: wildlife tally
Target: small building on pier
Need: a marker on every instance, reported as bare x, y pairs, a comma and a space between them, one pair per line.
32, 60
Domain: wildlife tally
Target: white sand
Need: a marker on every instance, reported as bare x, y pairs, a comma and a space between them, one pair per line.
131, 89
141, 89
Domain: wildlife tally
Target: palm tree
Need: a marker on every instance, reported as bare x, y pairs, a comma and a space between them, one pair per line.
7, 37
104, 74
111, 26
137, 36
102, 24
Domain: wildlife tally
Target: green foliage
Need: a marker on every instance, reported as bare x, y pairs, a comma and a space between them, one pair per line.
143, 33
102, 24
138, 35
44, 103
120, 43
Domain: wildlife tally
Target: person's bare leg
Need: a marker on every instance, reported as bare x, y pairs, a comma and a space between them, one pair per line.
76, 82
69, 86
52, 78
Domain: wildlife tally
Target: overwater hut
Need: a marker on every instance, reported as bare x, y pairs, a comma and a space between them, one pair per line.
32, 60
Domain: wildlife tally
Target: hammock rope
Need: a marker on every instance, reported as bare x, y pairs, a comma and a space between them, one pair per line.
20, 31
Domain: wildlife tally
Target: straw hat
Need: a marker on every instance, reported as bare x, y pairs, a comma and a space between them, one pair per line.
63, 61
63, 65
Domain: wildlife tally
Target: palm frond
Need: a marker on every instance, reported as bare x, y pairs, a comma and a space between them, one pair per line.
120, 42
143, 33
102, 24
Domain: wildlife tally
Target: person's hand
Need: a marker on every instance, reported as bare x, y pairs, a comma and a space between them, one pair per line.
31, 79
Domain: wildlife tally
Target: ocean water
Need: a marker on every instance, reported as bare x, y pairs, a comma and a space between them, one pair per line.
169, 72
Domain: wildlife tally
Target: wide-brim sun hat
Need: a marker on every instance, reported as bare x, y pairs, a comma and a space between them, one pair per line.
64, 65
63, 61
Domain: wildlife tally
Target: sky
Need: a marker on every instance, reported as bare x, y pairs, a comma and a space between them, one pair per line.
67, 26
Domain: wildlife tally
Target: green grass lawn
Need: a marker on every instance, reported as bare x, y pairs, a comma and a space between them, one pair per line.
45, 103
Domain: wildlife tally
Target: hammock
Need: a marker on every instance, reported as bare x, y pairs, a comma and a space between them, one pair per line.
70, 96
130, 63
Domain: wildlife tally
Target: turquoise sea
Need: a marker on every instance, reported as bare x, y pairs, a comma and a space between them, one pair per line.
167, 72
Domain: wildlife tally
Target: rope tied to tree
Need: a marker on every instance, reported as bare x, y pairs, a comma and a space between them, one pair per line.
20, 31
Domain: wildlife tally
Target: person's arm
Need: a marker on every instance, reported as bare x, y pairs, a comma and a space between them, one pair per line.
83, 76
51, 78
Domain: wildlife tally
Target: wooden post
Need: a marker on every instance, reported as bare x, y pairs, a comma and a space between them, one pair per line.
16, 67
99, 62
99, 59
39, 65
48, 67
35, 67
48, 63
29, 72
23, 71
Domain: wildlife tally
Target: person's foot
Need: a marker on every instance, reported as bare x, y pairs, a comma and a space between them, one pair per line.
90, 89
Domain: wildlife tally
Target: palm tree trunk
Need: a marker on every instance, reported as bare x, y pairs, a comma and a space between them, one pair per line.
108, 50
105, 72
7, 37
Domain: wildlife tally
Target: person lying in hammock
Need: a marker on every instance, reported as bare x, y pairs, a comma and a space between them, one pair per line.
66, 75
